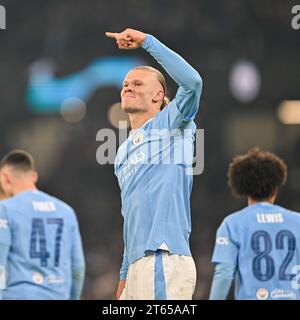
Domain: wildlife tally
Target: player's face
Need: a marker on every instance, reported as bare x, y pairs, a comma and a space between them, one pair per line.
141, 91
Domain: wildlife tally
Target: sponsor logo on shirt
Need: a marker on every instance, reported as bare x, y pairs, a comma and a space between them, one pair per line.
3, 224
262, 294
54, 279
269, 217
222, 241
283, 294
43, 206
136, 158
37, 278
129, 168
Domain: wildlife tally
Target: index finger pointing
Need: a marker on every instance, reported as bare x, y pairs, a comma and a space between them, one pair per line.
111, 34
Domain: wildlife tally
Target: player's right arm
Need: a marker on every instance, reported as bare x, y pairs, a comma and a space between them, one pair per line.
120, 289
123, 275
225, 261
5, 242
223, 276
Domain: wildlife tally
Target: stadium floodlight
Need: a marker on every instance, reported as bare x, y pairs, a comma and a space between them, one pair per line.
116, 114
73, 110
2, 18
289, 112
244, 81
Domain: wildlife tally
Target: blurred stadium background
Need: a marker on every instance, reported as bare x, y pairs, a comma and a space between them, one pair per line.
51, 62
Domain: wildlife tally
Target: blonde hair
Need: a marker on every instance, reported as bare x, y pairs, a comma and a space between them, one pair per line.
162, 81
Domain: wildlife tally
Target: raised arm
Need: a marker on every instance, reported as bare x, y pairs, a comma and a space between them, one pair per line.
188, 79
178, 68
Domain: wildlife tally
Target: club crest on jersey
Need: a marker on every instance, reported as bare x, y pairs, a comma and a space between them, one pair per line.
138, 138
262, 294
37, 278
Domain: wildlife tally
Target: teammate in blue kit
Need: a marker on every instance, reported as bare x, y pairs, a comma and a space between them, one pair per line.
259, 245
41, 255
154, 170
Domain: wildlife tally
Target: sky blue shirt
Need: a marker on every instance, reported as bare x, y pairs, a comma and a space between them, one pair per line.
44, 246
263, 242
154, 167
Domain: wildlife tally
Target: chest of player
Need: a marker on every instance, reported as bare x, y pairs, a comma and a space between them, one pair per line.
144, 149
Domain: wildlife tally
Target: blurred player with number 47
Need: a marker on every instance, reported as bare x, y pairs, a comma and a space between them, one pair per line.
41, 255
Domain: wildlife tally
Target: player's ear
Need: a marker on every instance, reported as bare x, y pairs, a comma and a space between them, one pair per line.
35, 176
274, 194
158, 96
5, 176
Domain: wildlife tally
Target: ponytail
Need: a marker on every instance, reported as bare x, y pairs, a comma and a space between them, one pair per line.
165, 101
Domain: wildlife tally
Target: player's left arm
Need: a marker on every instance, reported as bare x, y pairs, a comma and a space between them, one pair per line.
190, 82
5, 242
77, 264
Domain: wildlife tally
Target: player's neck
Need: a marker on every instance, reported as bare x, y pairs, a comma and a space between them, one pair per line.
138, 119
253, 201
24, 187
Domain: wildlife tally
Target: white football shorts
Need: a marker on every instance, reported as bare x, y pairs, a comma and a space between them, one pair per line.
161, 276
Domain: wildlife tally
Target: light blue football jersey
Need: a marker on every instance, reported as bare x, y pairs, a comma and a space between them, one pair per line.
263, 242
154, 167
45, 245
